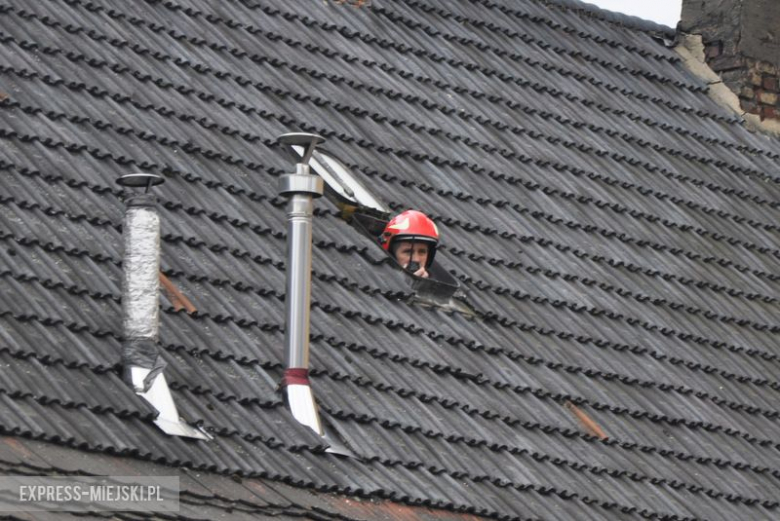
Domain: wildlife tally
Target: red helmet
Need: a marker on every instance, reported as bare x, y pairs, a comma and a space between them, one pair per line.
411, 225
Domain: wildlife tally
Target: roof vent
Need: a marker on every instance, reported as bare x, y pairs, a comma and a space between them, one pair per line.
142, 364
301, 188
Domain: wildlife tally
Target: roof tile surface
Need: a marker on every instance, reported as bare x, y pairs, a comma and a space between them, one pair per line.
611, 226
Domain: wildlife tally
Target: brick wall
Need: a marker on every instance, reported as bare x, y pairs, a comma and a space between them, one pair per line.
742, 44
756, 82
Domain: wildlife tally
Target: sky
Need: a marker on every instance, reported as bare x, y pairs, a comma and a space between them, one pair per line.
665, 12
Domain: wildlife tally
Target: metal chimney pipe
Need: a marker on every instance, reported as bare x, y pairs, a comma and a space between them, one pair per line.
141, 361
301, 188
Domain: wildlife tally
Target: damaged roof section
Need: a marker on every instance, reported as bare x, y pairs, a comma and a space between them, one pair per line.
613, 226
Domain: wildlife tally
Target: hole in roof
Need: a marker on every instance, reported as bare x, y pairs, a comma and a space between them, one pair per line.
440, 289
346, 187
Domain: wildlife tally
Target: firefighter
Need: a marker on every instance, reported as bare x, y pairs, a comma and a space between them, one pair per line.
411, 238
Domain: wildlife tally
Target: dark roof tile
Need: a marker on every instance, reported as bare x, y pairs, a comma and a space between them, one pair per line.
610, 225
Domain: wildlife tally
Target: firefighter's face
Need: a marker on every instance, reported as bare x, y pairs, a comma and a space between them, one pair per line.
408, 251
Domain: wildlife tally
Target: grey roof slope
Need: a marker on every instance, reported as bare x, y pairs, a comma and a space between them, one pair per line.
615, 229
202, 495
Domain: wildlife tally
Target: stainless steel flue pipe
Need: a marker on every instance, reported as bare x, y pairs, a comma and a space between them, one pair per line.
302, 188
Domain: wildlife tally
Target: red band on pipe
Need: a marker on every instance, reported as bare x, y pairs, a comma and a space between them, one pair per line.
295, 376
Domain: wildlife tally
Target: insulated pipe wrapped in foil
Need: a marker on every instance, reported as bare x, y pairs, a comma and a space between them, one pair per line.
141, 361
141, 291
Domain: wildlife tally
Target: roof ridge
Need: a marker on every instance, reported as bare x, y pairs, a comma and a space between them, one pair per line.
623, 20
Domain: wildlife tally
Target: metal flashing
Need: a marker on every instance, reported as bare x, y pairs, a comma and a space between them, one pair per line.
341, 180
168, 419
303, 406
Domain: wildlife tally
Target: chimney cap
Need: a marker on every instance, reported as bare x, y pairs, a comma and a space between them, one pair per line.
300, 139
140, 180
